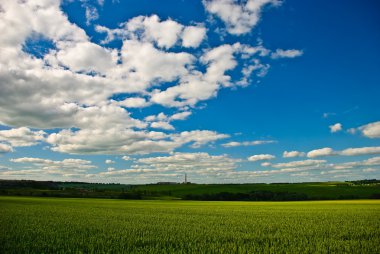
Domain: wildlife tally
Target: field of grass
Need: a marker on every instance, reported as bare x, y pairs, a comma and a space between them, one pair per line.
52, 225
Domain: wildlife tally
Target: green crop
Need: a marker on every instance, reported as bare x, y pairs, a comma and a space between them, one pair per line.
52, 225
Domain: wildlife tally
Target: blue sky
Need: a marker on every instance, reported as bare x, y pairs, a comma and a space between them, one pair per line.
223, 90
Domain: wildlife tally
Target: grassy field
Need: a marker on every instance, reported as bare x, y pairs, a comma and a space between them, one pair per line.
51, 225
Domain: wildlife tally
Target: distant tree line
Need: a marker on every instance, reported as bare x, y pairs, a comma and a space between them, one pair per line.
251, 196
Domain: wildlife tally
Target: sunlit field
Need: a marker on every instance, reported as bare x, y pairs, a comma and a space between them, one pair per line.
52, 225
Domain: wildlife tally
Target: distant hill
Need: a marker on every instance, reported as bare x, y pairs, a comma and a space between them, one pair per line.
363, 189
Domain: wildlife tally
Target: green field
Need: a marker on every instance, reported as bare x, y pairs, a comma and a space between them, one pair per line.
52, 225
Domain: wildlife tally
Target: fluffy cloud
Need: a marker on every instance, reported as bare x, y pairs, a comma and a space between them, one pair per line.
260, 157
198, 166
126, 141
193, 36
361, 151
292, 154
22, 136
126, 158
109, 161
335, 127
162, 125
65, 166
134, 103
5, 148
180, 116
375, 161
296, 164
197, 86
109, 141
198, 137
289, 53
248, 143
327, 151
162, 121
165, 34
239, 16
371, 130
346, 152
84, 57
162, 66
69, 89
191, 162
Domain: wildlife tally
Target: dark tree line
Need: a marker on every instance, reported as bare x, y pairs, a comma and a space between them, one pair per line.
251, 196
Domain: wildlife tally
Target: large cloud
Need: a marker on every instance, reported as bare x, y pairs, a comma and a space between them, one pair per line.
126, 141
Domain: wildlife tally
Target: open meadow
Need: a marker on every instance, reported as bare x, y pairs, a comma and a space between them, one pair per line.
58, 225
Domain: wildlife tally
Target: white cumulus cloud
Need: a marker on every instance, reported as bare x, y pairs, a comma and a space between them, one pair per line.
327, 151
22, 136
260, 157
239, 16
248, 143
335, 127
5, 148
292, 154
371, 130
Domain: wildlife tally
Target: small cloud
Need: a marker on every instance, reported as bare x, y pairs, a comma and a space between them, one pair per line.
328, 114
91, 13
293, 154
134, 102
335, 127
109, 162
260, 157
352, 131
162, 125
248, 143
290, 53
126, 158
